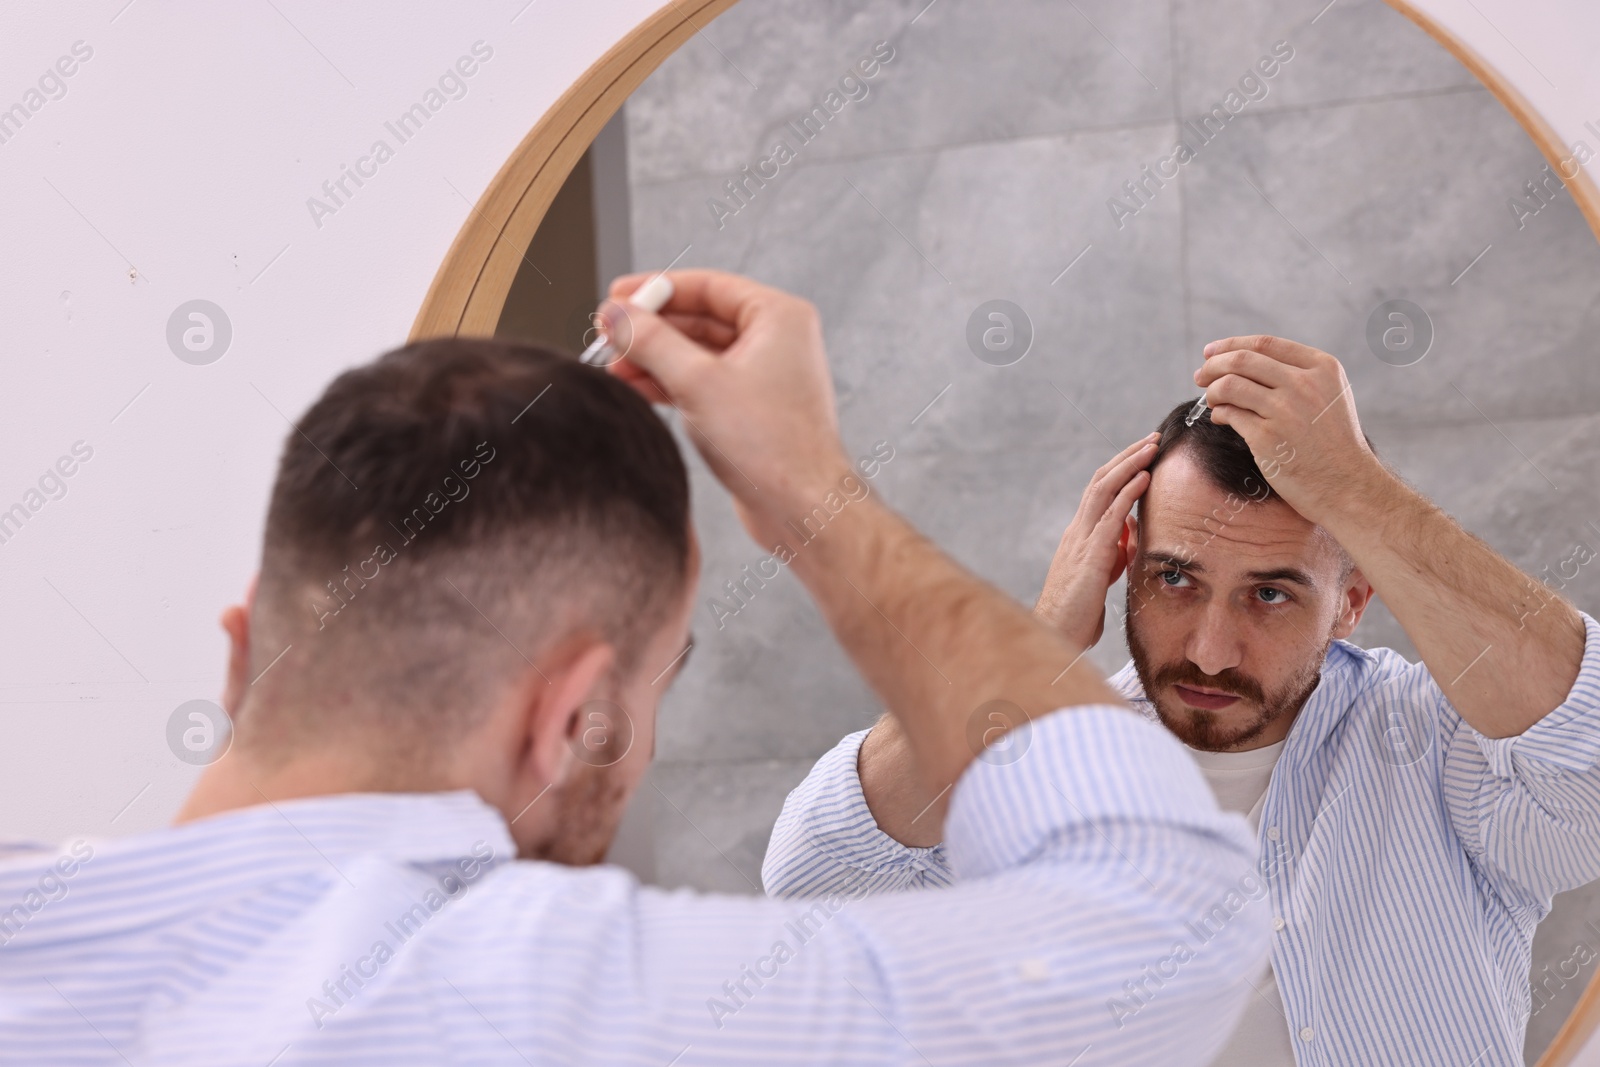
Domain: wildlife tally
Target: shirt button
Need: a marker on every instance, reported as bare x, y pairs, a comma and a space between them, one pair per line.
1277, 923
1273, 833
1306, 1033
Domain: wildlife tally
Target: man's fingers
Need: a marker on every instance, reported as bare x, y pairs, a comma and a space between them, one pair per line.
651, 344
702, 329
1235, 391
1112, 526
1117, 514
1248, 423
641, 381
714, 293
625, 285
1285, 351
1247, 363
1111, 478
1107, 466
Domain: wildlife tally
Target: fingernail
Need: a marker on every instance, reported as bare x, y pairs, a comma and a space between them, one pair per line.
610, 315
1209, 349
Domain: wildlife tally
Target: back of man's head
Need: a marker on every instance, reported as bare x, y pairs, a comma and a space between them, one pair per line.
441, 515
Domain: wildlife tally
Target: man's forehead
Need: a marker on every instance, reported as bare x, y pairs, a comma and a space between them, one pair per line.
1185, 514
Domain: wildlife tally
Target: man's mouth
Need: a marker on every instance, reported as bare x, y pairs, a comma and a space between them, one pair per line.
1209, 699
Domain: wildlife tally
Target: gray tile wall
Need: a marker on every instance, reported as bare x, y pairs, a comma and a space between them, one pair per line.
979, 166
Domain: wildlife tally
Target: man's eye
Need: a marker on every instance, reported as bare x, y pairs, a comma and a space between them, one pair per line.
1172, 578
1272, 596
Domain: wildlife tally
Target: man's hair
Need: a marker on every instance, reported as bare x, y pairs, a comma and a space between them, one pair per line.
439, 516
1222, 455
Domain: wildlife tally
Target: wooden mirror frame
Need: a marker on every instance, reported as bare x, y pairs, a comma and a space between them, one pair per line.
470, 288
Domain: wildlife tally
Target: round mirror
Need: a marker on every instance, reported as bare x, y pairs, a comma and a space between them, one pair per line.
1021, 223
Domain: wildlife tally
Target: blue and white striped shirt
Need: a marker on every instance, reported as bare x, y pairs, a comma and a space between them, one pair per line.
1406, 859
399, 929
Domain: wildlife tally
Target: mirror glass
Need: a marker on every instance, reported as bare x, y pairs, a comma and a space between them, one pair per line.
1119, 184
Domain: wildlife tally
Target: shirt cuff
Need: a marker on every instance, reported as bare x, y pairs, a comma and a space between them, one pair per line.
1568, 738
1081, 766
839, 824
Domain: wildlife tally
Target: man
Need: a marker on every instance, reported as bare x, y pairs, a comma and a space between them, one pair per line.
1414, 820
476, 581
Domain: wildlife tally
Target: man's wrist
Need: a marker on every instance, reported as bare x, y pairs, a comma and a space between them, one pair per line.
1055, 612
837, 529
902, 805
799, 493
1048, 609
789, 509
1366, 505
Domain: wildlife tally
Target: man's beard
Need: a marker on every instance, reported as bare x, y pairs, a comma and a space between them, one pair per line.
588, 809
1202, 728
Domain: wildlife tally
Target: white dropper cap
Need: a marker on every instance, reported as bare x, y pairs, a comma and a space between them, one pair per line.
653, 295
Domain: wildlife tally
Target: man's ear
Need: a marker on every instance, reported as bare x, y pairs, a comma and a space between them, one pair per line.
1357, 595
555, 710
235, 622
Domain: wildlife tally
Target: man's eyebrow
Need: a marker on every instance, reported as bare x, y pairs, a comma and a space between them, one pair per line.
1276, 574
1282, 574
1173, 560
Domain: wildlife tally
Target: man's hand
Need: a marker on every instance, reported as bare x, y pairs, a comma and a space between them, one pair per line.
1093, 551
745, 366
1292, 404
1502, 647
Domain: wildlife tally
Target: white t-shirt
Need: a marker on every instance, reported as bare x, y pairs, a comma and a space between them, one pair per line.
1239, 780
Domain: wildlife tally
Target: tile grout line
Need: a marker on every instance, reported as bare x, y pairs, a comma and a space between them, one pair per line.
1164, 121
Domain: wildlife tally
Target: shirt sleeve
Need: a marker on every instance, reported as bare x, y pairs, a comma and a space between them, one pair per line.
826, 840
1527, 808
1066, 936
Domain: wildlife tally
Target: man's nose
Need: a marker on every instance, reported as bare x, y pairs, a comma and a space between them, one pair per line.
1214, 645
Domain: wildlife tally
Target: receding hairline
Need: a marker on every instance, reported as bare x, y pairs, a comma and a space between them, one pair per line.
1186, 447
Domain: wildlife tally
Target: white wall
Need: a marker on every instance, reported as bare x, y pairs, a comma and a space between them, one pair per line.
185, 149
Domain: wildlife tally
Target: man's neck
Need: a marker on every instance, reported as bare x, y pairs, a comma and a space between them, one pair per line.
237, 781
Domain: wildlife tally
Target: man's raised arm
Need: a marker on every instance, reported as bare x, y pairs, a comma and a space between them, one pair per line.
935, 642
1504, 649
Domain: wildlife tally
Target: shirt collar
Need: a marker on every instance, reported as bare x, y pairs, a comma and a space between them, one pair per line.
410, 827
1327, 704
233, 853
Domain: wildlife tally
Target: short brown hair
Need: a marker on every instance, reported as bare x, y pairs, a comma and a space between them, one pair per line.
1220, 451
443, 511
